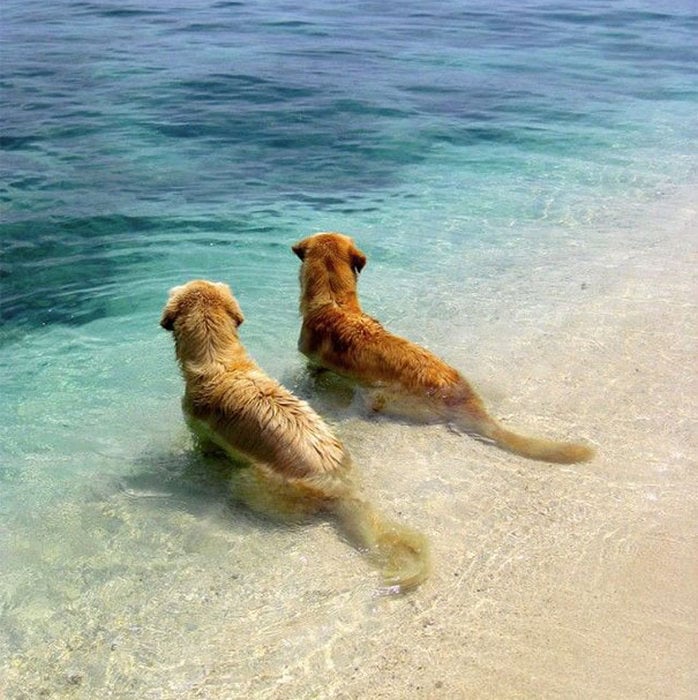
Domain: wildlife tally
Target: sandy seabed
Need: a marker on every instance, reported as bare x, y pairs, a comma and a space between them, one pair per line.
548, 581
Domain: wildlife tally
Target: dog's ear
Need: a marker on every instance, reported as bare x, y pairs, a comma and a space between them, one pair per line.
169, 313
232, 308
300, 249
168, 317
358, 260
234, 311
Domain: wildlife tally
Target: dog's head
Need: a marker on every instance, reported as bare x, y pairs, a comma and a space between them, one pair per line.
197, 296
331, 248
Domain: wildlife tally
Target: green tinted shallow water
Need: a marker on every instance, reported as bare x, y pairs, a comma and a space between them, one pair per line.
500, 166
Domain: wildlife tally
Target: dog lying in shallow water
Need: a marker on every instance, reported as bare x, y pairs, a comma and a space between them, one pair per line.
295, 465
337, 335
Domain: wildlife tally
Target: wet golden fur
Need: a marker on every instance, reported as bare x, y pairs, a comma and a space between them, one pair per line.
295, 463
337, 335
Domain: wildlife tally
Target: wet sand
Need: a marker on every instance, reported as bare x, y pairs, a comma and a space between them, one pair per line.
571, 581
548, 581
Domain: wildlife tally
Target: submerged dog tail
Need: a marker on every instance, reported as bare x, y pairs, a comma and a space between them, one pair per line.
533, 447
398, 552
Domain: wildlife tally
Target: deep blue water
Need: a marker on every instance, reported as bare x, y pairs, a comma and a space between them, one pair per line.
133, 134
144, 144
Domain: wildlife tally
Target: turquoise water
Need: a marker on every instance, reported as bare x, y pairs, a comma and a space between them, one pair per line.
487, 158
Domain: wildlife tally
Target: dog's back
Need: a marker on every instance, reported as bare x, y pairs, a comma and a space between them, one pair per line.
263, 421
356, 345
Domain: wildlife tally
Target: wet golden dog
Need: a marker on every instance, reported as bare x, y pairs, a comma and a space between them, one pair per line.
337, 335
295, 465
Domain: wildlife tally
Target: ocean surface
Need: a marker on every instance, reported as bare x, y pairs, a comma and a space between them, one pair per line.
491, 158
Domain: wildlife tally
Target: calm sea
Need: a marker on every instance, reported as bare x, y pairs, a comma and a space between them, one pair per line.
471, 148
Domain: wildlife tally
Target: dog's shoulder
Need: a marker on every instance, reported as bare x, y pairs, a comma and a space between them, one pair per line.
334, 320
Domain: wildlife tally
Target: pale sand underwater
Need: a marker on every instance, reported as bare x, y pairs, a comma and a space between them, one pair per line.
548, 581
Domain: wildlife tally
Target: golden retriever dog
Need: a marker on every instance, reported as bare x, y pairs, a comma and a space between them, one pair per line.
292, 463
337, 335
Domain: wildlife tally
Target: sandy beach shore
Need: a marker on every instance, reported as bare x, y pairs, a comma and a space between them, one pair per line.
576, 581
548, 581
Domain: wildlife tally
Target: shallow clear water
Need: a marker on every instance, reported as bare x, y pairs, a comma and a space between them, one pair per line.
493, 161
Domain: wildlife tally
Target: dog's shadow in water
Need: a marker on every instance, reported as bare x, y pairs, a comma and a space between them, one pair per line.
199, 483
329, 393
190, 479
337, 398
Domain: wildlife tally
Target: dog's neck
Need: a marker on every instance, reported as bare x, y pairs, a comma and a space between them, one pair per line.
211, 342
321, 287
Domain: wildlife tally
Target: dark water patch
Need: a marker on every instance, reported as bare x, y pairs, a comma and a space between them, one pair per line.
676, 94
203, 28
237, 87
289, 24
614, 18
49, 268
277, 133
650, 56
25, 183
70, 270
319, 201
127, 12
525, 139
117, 10
17, 143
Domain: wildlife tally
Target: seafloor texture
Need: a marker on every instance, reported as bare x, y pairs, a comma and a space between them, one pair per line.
547, 581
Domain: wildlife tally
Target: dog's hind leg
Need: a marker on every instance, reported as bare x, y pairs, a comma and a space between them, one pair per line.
265, 493
204, 438
397, 403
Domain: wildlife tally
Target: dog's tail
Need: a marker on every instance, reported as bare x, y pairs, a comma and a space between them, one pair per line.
531, 447
398, 552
